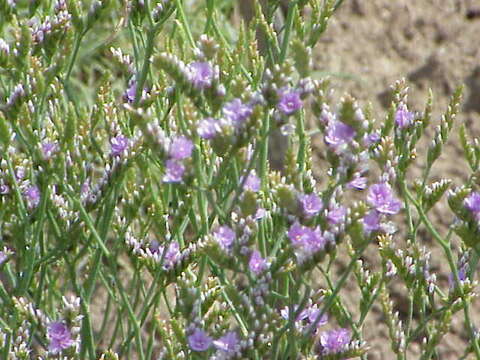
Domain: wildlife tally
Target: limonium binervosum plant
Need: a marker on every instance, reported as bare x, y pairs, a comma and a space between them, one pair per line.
140, 215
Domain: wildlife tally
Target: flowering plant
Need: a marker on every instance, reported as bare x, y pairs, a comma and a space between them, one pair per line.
141, 215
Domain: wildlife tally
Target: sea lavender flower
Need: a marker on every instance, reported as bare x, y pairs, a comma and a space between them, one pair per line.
60, 337
225, 237
199, 340
382, 198
313, 313
371, 138
252, 182
4, 188
237, 112
334, 341
208, 128
306, 239
32, 195
285, 313
403, 117
310, 204
358, 183
181, 148
290, 102
118, 145
201, 74
336, 214
174, 171
257, 264
339, 134
131, 91
462, 276
228, 343
472, 203
48, 149
371, 221
172, 255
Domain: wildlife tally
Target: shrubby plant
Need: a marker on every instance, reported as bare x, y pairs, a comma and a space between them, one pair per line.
140, 216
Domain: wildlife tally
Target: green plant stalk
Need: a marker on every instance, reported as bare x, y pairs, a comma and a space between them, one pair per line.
448, 252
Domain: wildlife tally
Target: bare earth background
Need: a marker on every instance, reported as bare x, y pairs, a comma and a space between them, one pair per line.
369, 44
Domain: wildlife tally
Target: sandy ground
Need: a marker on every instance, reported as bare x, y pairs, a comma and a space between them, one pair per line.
433, 44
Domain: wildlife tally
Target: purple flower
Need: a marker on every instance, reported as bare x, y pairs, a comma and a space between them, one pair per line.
174, 171
462, 276
181, 148
252, 183
3, 257
172, 255
32, 195
237, 112
313, 313
59, 336
228, 343
289, 102
334, 341
339, 134
257, 264
371, 138
310, 204
225, 237
201, 74
336, 214
207, 128
118, 145
48, 149
359, 183
403, 117
199, 340
472, 203
382, 198
285, 313
260, 214
307, 240
4, 188
371, 221
129, 94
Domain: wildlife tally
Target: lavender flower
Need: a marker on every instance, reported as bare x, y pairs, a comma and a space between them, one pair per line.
382, 198
339, 134
131, 91
172, 255
313, 313
257, 264
32, 195
290, 102
174, 171
60, 337
310, 204
334, 341
228, 343
358, 183
118, 145
199, 340
307, 240
371, 138
472, 203
208, 128
181, 148
49, 149
336, 214
237, 112
225, 237
462, 276
285, 313
371, 221
252, 182
201, 74
403, 117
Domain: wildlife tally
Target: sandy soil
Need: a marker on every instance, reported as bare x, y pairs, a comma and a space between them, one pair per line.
433, 44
